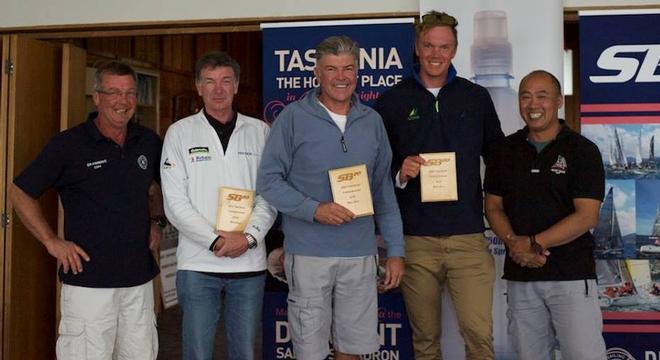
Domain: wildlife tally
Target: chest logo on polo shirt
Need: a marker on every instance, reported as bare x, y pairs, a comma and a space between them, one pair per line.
143, 162
199, 153
414, 115
96, 164
560, 166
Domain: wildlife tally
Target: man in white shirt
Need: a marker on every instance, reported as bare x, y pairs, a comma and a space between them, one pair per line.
216, 271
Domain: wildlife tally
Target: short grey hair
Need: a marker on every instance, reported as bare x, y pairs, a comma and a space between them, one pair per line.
215, 59
336, 45
112, 67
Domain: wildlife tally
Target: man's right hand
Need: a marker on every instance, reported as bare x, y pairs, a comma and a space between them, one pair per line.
521, 252
410, 168
68, 253
333, 214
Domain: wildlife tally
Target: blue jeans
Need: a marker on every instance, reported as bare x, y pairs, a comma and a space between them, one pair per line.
202, 297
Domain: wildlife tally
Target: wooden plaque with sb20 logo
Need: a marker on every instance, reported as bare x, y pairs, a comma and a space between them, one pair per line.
438, 177
234, 208
350, 189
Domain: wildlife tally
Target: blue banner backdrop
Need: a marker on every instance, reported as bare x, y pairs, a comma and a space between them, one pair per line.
620, 113
386, 57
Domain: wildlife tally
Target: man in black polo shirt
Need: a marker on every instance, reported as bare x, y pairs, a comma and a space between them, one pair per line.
103, 171
544, 189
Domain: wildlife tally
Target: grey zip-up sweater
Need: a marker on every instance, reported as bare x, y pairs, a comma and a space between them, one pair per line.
304, 144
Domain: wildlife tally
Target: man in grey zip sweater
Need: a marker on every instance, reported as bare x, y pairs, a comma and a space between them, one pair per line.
330, 260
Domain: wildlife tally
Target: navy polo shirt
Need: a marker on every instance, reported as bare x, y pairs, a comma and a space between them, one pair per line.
104, 192
537, 191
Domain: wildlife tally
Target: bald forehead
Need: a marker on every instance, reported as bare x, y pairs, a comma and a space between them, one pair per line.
548, 80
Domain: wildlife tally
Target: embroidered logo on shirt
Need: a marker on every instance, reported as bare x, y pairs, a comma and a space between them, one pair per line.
143, 162
167, 164
413, 115
97, 164
560, 166
247, 153
198, 150
199, 154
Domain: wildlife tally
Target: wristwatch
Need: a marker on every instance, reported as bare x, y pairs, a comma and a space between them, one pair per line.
535, 246
160, 220
252, 241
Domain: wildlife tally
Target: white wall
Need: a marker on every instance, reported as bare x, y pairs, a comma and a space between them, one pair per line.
24, 13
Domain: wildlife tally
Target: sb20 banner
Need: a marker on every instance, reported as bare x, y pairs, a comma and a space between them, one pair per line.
620, 113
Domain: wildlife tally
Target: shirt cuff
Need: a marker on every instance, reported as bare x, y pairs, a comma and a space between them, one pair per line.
398, 183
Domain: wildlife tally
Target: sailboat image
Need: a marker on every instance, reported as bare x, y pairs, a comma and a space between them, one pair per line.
615, 284
654, 239
618, 159
607, 234
638, 153
651, 162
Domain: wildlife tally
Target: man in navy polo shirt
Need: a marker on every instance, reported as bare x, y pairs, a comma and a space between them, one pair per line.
544, 188
104, 172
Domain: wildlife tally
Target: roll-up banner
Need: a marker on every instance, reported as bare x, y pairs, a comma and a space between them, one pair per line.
620, 112
386, 57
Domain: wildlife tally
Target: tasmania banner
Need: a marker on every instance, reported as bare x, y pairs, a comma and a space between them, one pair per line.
386, 57
620, 112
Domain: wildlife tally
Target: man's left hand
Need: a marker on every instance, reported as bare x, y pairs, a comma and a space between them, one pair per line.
394, 270
235, 244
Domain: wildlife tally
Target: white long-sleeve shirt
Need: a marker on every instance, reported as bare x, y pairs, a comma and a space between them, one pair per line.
193, 168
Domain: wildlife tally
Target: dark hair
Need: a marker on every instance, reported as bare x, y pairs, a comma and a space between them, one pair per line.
336, 45
434, 19
214, 59
546, 73
111, 67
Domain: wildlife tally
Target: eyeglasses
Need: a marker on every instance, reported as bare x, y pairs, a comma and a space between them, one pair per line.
116, 93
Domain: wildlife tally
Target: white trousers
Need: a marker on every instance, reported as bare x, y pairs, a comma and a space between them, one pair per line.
107, 323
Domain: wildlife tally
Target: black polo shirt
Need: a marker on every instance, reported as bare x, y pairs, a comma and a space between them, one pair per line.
104, 191
538, 191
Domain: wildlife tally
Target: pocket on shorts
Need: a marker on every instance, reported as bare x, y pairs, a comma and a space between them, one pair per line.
305, 317
71, 344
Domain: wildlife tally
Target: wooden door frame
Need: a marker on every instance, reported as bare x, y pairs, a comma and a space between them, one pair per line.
4, 208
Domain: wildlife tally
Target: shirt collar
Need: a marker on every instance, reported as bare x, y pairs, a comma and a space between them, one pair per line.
132, 131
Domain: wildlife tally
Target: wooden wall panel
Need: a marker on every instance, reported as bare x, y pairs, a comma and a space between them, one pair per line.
111, 47
147, 49
176, 89
245, 47
209, 42
177, 53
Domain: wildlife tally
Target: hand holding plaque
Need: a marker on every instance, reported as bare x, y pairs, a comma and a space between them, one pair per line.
350, 189
438, 177
234, 208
